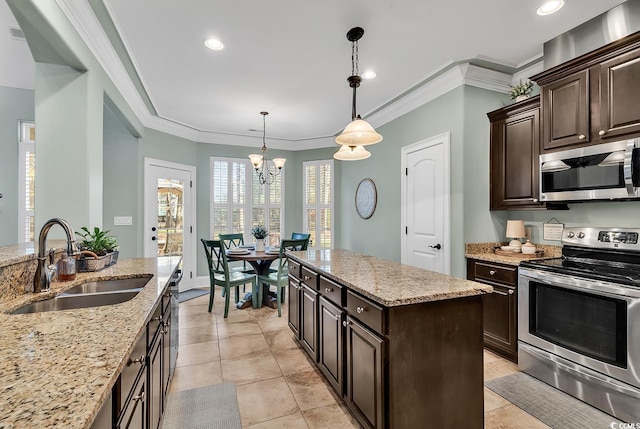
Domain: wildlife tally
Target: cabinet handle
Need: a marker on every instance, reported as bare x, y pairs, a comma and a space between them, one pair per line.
307, 277
492, 272
602, 132
328, 290
345, 323
359, 310
139, 397
157, 319
139, 360
535, 200
582, 136
511, 291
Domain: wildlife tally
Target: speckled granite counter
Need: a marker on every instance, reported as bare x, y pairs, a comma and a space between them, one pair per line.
57, 368
386, 282
484, 252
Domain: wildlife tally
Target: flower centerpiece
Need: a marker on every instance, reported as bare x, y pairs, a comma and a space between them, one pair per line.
521, 91
259, 232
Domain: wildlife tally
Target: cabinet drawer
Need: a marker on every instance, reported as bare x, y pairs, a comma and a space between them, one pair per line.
364, 310
135, 364
331, 290
309, 278
496, 273
154, 325
294, 269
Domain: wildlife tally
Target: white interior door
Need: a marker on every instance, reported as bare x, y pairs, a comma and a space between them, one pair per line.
170, 213
425, 204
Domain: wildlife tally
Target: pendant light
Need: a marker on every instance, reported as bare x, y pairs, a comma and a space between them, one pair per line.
259, 161
359, 132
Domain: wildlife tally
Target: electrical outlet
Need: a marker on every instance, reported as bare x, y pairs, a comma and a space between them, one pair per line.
123, 220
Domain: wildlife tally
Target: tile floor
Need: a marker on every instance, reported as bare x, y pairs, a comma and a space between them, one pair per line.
277, 385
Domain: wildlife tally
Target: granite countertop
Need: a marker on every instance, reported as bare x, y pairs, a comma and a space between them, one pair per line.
484, 252
58, 367
385, 282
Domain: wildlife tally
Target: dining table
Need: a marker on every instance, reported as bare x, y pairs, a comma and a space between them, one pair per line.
261, 262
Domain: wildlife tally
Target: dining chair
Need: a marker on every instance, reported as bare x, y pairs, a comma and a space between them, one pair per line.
280, 278
220, 275
301, 236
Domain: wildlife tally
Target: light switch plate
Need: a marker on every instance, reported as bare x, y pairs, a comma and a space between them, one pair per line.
123, 220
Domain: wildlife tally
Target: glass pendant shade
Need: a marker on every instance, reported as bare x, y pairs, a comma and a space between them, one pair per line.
279, 162
358, 133
256, 160
351, 153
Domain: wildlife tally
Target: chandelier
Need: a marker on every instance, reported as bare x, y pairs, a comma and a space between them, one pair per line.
260, 162
359, 132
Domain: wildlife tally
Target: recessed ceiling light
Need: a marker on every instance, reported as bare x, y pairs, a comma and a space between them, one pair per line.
369, 74
214, 44
549, 7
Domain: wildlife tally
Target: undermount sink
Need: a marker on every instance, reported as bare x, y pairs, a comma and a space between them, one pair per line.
107, 286
90, 294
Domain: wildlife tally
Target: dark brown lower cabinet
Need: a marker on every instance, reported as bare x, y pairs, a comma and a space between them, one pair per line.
330, 349
155, 382
294, 305
309, 320
365, 382
134, 415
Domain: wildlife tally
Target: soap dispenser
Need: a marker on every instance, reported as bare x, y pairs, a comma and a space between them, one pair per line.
66, 268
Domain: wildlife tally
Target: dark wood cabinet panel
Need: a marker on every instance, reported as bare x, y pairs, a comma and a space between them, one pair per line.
308, 321
155, 383
330, 350
294, 305
500, 308
134, 415
619, 95
365, 381
514, 149
565, 108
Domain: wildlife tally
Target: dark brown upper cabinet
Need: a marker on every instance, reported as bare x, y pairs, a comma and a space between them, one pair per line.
592, 99
514, 150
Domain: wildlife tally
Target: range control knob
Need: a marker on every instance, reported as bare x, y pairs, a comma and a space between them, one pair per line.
581, 235
570, 235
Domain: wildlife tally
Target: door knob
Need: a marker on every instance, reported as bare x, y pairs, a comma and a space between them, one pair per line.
153, 228
153, 238
437, 246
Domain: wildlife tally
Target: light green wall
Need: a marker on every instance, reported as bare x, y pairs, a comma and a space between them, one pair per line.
15, 105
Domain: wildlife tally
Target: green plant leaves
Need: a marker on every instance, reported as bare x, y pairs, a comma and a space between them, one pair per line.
97, 241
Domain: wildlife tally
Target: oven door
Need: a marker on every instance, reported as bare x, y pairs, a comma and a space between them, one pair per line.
593, 324
604, 171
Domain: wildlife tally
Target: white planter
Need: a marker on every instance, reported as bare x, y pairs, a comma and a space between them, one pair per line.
259, 244
521, 97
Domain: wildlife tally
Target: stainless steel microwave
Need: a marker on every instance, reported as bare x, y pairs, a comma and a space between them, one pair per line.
608, 171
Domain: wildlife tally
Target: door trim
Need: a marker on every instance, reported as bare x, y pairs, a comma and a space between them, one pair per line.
189, 255
445, 140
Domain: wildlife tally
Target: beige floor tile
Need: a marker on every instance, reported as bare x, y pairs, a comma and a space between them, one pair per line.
489, 356
193, 354
292, 360
294, 421
511, 417
191, 377
190, 310
265, 400
239, 347
280, 340
250, 370
499, 368
239, 329
493, 401
235, 315
274, 323
329, 417
199, 334
198, 319
310, 390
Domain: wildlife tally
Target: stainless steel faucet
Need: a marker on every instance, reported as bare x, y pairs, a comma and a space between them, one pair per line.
42, 280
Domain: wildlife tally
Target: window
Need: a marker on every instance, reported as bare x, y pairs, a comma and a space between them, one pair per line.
239, 201
318, 203
26, 181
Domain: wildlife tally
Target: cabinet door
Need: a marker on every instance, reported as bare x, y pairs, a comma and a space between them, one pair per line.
565, 106
166, 357
330, 351
294, 306
499, 320
308, 321
619, 95
155, 383
134, 415
365, 382
515, 147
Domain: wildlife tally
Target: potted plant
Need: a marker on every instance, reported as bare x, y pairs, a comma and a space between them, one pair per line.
521, 91
259, 233
97, 248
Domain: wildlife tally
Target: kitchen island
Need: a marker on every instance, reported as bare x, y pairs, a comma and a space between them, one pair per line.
401, 345
58, 368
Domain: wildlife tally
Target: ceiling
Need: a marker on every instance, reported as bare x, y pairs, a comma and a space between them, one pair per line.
292, 58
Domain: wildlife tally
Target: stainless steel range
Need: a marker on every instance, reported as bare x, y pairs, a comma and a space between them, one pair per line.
579, 319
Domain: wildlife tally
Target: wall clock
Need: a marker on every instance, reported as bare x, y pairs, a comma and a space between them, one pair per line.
366, 198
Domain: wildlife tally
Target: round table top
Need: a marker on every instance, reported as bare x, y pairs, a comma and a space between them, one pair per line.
253, 256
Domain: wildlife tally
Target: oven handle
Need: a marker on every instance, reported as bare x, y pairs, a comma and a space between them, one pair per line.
593, 377
628, 167
579, 283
